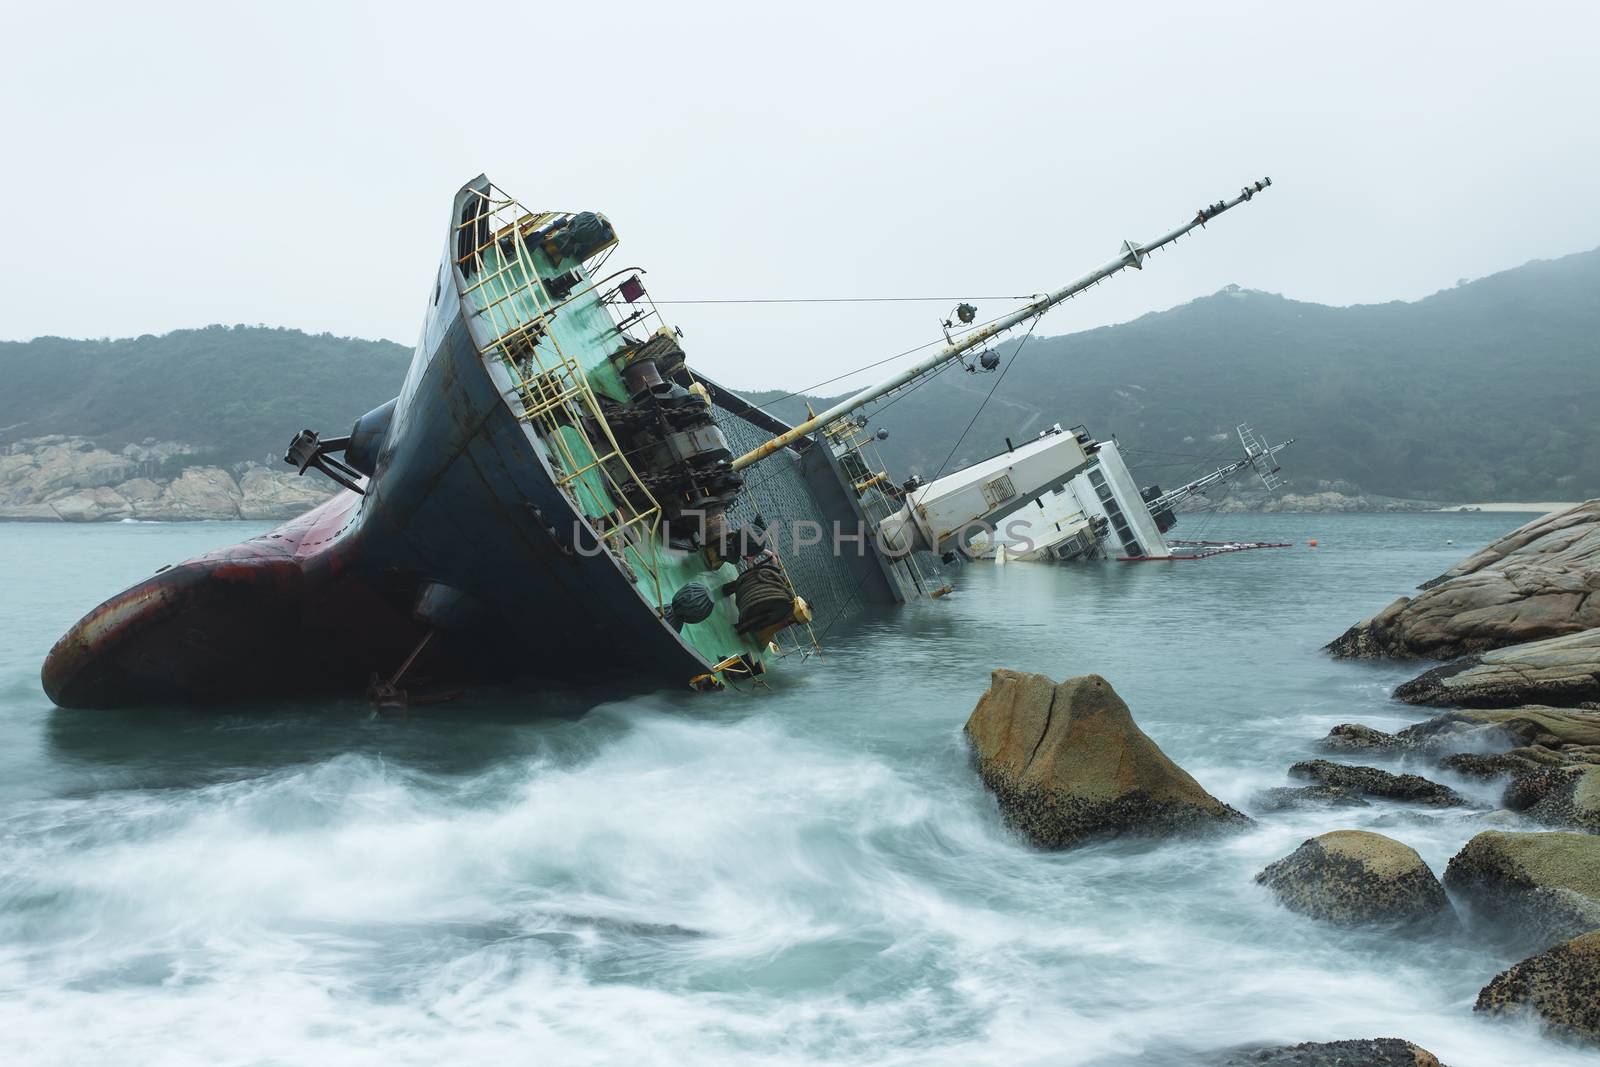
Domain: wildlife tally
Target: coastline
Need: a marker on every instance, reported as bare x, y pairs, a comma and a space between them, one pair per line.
1543, 507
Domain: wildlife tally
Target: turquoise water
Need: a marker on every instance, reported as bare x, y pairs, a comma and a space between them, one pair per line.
810, 874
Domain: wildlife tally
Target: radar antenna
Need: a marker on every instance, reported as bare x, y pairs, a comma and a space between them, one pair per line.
1263, 458
1259, 456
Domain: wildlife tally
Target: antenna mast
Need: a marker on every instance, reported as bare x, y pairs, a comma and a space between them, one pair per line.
1133, 255
1257, 454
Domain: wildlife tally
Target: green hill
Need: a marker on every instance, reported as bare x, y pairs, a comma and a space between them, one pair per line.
1487, 391
240, 392
1481, 392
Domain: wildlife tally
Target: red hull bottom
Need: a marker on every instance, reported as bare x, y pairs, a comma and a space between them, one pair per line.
289, 612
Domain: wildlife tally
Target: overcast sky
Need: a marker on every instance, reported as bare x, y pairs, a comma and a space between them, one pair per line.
172, 166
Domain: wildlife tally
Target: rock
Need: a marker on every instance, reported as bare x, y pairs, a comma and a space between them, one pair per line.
92, 505
1488, 766
1565, 796
140, 490
1561, 987
1453, 732
198, 493
1575, 727
1068, 764
1561, 670
71, 479
1352, 878
1547, 757
1528, 790
1535, 583
1369, 1052
1352, 736
1539, 888
269, 494
1550, 533
49, 465
1372, 782
1443, 733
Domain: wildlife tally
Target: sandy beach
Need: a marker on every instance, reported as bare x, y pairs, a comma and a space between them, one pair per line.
1537, 508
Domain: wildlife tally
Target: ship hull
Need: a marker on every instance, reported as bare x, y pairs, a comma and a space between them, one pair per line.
460, 499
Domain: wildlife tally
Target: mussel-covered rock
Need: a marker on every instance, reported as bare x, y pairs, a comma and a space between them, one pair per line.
1536, 888
1354, 737
1068, 764
1560, 987
1488, 766
1355, 878
1566, 795
1368, 1052
1373, 782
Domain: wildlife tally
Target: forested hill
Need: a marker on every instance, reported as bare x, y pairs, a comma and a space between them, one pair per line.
1486, 391
238, 392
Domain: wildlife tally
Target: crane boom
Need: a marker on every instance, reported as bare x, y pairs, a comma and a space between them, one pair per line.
1132, 255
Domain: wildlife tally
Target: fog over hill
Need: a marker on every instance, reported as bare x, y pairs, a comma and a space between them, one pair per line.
1481, 392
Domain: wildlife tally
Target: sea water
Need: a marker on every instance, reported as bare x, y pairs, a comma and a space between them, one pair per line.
806, 873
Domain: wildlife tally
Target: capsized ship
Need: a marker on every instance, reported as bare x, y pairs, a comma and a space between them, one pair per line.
1102, 512
553, 495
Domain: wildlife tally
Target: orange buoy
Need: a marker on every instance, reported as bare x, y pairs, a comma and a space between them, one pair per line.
1312, 542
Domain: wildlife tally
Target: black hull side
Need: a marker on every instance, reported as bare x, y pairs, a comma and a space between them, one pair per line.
460, 496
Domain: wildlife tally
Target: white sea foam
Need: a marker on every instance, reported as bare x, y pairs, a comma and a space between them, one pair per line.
807, 876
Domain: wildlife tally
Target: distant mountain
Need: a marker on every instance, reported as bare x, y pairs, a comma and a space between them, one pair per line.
238, 393
1485, 391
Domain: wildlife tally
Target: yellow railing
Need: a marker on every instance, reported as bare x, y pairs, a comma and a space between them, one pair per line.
504, 284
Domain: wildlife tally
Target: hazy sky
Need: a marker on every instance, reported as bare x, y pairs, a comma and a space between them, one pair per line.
173, 165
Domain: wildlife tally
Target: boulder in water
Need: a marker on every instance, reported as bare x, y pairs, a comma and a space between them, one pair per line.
1488, 766
1068, 764
1539, 888
1369, 1052
1372, 782
1560, 987
1566, 795
1355, 878
1451, 732
1354, 737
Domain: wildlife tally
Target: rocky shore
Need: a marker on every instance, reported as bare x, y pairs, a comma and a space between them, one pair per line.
1539, 581
1068, 766
1519, 623
71, 479
1326, 498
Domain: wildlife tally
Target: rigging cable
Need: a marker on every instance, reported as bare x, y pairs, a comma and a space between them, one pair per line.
849, 299
806, 390
1015, 352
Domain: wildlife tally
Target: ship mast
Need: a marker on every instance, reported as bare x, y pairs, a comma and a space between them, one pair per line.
1256, 454
1133, 255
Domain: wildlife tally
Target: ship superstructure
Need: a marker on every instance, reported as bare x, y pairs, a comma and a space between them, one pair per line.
1103, 513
